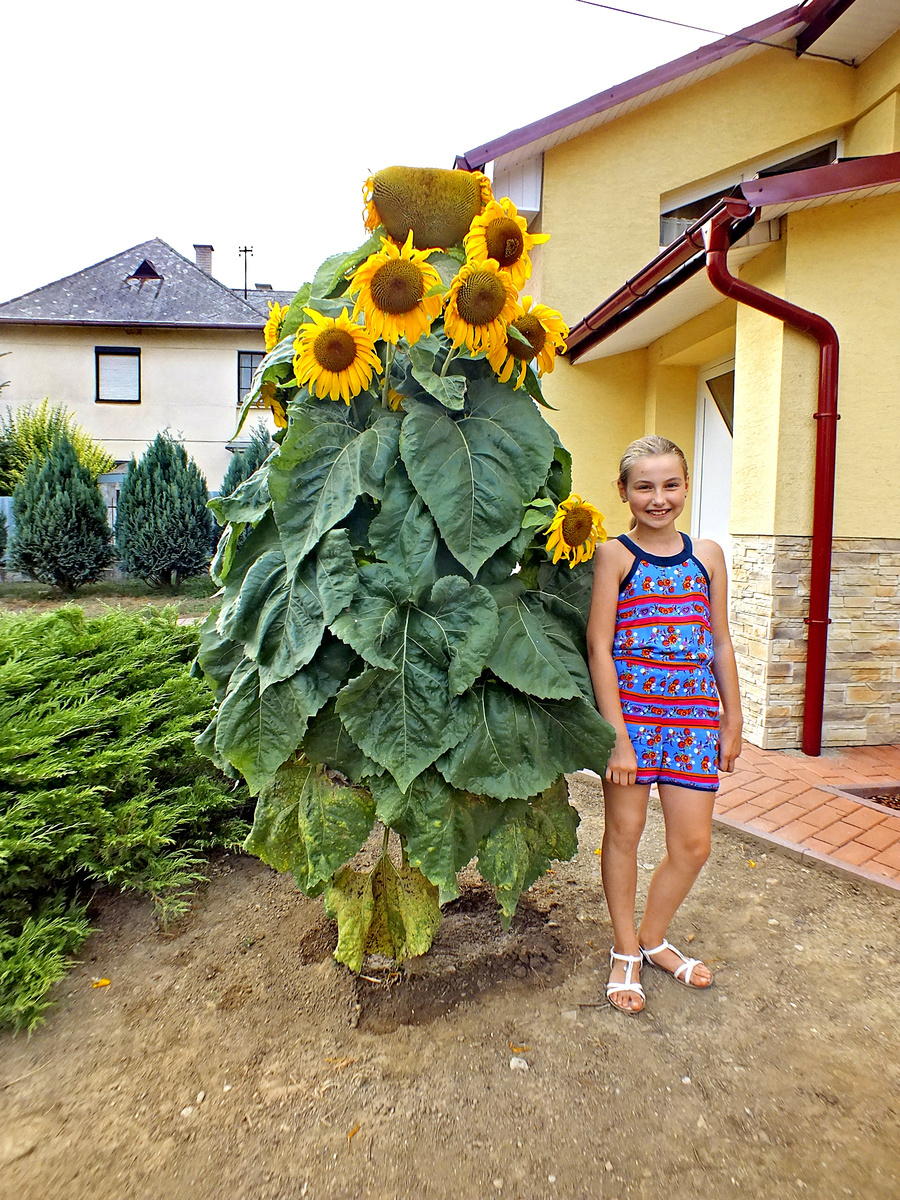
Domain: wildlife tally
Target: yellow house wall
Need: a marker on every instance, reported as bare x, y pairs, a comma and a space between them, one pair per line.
188, 385
601, 191
875, 132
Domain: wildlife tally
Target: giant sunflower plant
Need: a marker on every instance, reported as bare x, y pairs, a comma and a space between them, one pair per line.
398, 643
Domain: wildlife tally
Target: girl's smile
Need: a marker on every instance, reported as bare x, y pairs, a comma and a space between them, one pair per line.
656, 491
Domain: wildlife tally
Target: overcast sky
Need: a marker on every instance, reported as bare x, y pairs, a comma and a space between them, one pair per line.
257, 125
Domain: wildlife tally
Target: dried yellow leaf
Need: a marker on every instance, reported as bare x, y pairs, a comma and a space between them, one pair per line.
99, 983
353, 1132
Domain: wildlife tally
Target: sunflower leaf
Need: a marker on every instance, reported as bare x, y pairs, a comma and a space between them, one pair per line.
476, 471
450, 389
332, 274
519, 744
523, 843
405, 712
295, 315
256, 734
404, 532
226, 548
280, 617
441, 826
392, 911
250, 500
328, 743
523, 656
308, 825
324, 465
533, 388
566, 592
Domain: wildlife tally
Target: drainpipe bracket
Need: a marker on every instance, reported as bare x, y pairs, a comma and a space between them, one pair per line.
817, 620
826, 416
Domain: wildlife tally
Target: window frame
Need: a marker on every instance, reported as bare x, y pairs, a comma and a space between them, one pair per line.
258, 355
122, 352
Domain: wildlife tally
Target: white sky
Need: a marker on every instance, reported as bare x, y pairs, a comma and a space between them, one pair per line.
257, 125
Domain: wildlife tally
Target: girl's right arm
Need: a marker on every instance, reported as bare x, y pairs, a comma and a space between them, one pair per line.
612, 562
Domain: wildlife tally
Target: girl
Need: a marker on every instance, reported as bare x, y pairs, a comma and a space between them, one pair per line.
661, 662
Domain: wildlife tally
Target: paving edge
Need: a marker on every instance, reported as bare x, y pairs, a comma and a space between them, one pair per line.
807, 857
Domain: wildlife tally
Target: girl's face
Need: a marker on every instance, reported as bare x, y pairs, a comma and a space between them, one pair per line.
656, 490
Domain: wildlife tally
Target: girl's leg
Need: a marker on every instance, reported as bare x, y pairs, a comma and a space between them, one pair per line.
688, 817
625, 812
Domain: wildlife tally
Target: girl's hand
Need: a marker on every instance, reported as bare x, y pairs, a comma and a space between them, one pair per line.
729, 747
622, 765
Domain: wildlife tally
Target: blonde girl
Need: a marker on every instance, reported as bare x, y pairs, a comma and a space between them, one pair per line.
664, 675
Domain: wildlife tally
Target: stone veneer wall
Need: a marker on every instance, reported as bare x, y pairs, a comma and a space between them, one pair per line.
769, 599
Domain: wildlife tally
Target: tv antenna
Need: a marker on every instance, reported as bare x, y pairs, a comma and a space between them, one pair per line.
245, 250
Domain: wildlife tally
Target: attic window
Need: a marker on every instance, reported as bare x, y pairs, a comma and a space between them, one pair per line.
145, 271
676, 221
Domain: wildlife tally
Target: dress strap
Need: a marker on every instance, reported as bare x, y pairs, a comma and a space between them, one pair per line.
659, 560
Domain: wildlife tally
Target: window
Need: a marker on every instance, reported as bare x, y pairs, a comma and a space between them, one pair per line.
248, 361
118, 373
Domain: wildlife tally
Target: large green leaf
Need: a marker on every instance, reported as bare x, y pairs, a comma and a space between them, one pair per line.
327, 742
388, 911
566, 592
226, 549
280, 618
404, 533
324, 465
440, 825
258, 731
308, 825
522, 844
523, 655
404, 713
477, 470
330, 279
250, 500
519, 745
217, 657
449, 389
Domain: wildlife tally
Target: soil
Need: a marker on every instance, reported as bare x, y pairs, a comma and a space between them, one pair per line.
35, 599
232, 1057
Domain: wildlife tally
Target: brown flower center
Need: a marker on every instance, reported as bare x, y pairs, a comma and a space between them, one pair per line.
334, 350
398, 286
577, 526
504, 240
481, 298
532, 331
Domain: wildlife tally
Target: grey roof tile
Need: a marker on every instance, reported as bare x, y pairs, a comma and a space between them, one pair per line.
109, 293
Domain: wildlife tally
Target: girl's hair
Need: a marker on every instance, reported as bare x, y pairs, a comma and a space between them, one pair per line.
648, 447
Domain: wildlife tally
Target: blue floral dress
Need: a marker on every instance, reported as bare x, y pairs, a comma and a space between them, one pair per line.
663, 651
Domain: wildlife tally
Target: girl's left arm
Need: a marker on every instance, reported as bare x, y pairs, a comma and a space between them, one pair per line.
724, 666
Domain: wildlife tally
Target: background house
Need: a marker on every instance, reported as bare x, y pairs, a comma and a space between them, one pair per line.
806, 103
143, 341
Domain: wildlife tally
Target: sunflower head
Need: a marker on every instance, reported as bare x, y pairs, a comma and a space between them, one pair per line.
574, 531
480, 304
536, 331
334, 356
500, 233
268, 398
393, 286
273, 327
437, 206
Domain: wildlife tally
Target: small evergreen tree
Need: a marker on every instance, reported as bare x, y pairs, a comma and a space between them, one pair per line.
164, 530
62, 534
3, 536
245, 462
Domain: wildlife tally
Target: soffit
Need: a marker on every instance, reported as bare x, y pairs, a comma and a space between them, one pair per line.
859, 31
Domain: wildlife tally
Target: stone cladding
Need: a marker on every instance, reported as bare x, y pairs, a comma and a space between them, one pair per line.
769, 599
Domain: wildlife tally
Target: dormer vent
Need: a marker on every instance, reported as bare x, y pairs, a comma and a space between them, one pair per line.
145, 271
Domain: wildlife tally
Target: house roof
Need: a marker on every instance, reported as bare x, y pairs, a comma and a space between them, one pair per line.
150, 284
610, 328
848, 30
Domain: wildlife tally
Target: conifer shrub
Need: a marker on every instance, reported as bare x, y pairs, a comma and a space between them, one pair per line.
100, 783
62, 534
28, 432
164, 531
245, 462
3, 537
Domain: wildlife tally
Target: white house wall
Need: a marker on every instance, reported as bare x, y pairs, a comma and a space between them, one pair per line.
188, 385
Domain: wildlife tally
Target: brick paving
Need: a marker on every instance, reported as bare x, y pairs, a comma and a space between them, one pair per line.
782, 796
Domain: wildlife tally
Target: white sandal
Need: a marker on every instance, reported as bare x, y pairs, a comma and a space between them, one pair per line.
627, 985
683, 973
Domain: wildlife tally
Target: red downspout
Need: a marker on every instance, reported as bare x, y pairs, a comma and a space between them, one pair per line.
827, 417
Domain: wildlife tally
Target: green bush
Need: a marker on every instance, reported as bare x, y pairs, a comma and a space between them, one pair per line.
3, 534
164, 531
29, 432
245, 462
62, 534
100, 783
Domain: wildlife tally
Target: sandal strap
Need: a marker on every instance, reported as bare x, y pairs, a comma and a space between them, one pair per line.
687, 964
629, 984
613, 988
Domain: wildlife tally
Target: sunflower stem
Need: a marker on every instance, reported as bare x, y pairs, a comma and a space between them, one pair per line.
390, 351
385, 839
454, 350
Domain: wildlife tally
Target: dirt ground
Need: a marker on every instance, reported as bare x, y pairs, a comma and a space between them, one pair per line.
34, 599
232, 1057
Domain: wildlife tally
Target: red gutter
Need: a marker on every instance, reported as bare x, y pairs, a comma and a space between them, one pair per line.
827, 417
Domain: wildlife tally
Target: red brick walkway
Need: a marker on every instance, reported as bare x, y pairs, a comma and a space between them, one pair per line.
789, 799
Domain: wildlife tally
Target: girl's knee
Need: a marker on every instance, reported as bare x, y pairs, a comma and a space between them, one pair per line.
623, 833
691, 852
